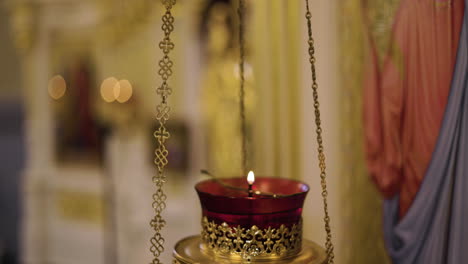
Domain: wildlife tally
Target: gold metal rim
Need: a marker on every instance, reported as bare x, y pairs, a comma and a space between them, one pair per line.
187, 251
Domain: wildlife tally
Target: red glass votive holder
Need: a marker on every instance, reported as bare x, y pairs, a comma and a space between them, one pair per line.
264, 228
279, 202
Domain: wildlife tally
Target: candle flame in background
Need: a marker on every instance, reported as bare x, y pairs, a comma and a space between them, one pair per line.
251, 177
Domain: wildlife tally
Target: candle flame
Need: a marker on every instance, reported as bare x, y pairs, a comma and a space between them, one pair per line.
251, 177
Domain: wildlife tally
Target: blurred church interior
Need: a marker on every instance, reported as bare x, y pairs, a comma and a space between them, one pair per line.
78, 83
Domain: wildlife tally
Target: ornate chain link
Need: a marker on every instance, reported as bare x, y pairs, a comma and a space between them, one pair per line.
162, 134
321, 155
243, 127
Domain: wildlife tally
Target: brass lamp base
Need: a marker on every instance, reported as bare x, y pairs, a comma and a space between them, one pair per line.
190, 251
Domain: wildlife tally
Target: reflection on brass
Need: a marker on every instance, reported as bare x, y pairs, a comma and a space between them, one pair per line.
190, 251
253, 243
80, 206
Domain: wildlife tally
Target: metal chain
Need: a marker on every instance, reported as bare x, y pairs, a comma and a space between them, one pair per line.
162, 134
243, 125
321, 154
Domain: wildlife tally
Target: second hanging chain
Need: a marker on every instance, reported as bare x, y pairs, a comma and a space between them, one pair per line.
243, 125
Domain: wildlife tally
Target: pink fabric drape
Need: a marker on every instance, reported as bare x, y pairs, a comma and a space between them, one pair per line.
404, 100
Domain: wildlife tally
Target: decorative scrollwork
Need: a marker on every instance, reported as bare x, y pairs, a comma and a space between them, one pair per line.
165, 65
166, 45
251, 243
161, 157
162, 134
169, 3
168, 23
164, 90
162, 112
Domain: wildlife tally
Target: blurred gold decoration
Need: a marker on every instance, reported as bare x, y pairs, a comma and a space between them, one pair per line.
221, 96
80, 206
362, 225
120, 18
123, 91
108, 88
23, 21
57, 87
381, 16
162, 134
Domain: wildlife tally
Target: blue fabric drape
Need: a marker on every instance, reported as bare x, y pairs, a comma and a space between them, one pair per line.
435, 229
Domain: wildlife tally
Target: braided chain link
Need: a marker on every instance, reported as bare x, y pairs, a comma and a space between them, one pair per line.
162, 134
321, 155
243, 125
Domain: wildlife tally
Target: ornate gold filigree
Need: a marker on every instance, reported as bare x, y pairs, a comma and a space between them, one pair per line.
251, 243
162, 134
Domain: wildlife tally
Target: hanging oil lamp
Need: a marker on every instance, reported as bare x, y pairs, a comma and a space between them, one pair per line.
244, 219
249, 225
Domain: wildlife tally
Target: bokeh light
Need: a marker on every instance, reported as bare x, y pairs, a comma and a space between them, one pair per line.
123, 92
57, 87
108, 87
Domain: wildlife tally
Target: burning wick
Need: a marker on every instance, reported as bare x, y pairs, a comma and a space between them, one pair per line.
250, 180
257, 192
